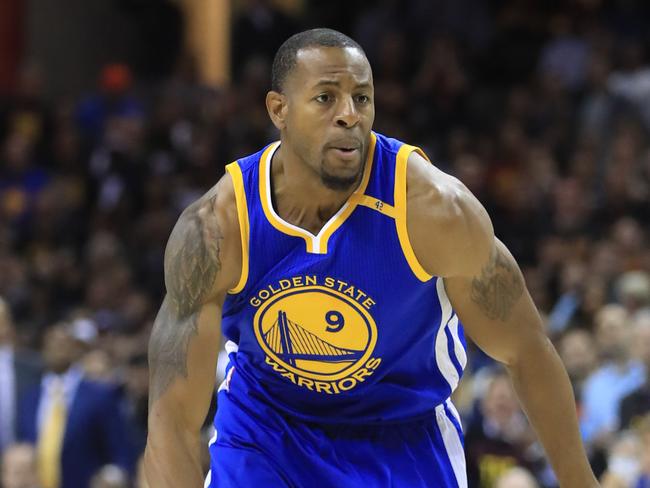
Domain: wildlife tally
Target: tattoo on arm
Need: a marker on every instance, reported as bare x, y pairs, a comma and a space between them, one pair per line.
498, 288
191, 266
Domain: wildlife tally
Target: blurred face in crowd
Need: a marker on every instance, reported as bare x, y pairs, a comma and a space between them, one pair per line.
612, 332
98, 366
6, 325
500, 403
594, 296
578, 354
325, 113
625, 457
516, 478
19, 467
572, 276
60, 349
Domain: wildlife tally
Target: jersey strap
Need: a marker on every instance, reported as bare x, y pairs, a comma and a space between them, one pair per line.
235, 173
400, 210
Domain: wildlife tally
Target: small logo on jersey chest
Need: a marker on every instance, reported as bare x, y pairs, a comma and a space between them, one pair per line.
320, 335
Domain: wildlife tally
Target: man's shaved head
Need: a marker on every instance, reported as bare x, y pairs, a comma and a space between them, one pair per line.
285, 58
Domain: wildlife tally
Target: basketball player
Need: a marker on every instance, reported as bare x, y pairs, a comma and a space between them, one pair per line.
339, 265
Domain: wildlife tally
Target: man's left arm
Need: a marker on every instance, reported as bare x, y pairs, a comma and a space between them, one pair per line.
499, 315
487, 291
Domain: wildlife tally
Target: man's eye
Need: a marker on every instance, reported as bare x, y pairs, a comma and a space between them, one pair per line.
323, 98
363, 99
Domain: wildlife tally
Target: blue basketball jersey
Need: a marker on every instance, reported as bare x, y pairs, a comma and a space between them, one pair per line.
343, 327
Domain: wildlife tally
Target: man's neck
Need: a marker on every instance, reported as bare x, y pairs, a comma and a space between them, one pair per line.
299, 195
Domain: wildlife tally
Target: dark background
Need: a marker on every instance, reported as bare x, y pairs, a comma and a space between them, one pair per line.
542, 108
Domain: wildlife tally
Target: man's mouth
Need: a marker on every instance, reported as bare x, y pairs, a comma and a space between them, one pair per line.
346, 153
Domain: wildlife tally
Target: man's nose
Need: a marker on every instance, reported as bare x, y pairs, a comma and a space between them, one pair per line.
347, 114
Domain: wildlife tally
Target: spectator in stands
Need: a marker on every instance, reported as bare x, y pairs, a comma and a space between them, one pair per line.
618, 376
624, 462
21, 179
114, 99
577, 351
19, 371
633, 290
516, 478
498, 434
565, 55
636, 405
632, 81
76, 424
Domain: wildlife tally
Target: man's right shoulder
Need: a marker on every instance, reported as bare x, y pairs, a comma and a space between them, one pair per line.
206, 239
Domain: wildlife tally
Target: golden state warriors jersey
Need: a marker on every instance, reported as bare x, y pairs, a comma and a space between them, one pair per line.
344, 326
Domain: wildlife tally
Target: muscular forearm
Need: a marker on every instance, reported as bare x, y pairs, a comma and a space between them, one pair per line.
173, 456
545, 392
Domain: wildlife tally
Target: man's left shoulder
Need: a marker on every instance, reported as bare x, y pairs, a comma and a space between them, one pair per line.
450, 231
439, 196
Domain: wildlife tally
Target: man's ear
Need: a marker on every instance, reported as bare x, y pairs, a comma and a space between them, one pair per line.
276, 105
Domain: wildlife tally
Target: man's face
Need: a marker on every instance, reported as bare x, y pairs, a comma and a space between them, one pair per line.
60, 349
329, 113
578, 354
500, 403
612, 332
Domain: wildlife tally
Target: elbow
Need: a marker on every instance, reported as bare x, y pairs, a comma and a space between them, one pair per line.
536, 353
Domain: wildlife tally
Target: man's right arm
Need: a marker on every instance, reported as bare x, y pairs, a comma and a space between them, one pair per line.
200, 263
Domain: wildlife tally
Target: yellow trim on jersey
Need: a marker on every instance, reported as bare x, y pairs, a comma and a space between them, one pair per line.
351, 204
266, 204
375, 204
244, 229
400, 207
316, 244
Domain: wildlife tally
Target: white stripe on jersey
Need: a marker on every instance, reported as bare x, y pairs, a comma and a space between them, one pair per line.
461, 355
443, 357
453, 444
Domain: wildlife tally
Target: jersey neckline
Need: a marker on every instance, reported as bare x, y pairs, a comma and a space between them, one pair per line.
315, 244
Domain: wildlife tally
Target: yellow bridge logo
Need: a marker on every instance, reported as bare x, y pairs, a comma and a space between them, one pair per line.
292, 342
315, 332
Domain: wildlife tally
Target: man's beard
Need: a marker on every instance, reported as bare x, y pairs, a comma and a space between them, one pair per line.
340, 183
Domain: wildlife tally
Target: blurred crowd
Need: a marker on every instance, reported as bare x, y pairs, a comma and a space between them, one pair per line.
542, 108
